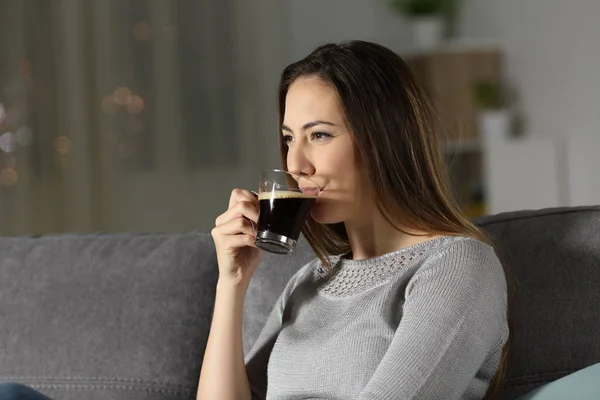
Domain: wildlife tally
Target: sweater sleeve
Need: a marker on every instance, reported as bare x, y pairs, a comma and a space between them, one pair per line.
257, 358
454, 315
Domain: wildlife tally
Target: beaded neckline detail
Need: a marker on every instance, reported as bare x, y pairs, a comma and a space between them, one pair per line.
350, 277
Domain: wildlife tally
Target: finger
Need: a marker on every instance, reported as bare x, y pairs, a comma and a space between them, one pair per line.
242, 209
238, 195
232, 241
237, 241
236, 226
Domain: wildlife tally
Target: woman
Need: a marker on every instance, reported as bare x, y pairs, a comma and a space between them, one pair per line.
407, 299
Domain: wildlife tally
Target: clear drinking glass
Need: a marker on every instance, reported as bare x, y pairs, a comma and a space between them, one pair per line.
285, 200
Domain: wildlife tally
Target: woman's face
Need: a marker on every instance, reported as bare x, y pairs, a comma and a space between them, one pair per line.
320, 146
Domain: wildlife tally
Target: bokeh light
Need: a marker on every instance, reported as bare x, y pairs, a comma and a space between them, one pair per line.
62, 145
8, 177
121, 95
142, 31
135, 104
8, 142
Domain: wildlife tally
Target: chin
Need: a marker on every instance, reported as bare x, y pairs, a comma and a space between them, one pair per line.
325, 215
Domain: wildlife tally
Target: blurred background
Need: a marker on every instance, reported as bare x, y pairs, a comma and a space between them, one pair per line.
142, 115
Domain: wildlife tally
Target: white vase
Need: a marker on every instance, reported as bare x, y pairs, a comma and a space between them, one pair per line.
428, 31
494, 126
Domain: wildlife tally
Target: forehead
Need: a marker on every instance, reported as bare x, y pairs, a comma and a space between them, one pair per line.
312, 98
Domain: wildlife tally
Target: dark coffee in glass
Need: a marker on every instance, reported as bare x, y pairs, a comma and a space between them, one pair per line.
284, 203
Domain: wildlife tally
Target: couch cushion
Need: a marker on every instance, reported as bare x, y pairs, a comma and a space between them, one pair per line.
106, 316
553, 260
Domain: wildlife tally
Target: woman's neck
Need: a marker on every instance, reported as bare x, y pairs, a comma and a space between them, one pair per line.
375, 236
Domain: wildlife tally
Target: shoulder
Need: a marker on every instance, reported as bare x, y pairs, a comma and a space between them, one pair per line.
464, 261
304, 274
461, 253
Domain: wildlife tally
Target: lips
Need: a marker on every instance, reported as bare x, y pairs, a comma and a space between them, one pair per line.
311, 191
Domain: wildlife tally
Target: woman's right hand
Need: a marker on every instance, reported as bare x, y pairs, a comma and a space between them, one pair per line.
234, 235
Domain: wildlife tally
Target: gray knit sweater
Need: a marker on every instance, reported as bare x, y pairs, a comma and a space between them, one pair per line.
425, 322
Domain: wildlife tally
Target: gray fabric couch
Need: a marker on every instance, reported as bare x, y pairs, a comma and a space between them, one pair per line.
126, 316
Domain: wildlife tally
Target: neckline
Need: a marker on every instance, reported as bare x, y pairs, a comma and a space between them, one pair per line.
346, 262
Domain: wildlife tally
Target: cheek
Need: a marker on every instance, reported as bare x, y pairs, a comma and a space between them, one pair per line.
342, 173
339, 164
348, 176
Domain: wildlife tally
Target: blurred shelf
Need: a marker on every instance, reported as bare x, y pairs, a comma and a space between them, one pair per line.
457, 46
474, 210
447, 74
447, 79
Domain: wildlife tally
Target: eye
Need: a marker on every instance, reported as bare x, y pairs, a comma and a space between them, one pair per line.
320, 136
287, 139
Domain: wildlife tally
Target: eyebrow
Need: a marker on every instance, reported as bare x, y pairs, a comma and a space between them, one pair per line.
308, 125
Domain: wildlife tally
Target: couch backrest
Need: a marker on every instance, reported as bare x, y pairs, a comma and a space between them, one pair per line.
553, 261
120, 317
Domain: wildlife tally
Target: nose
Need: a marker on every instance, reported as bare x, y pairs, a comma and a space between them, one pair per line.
299, 162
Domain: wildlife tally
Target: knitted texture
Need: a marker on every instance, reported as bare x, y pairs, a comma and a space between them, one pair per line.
350, 277
424, 322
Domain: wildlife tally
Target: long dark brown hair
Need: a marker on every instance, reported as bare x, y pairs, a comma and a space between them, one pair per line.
391, 123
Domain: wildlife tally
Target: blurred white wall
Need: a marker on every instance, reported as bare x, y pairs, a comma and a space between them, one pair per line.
310, 23
553, 58
552, 54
